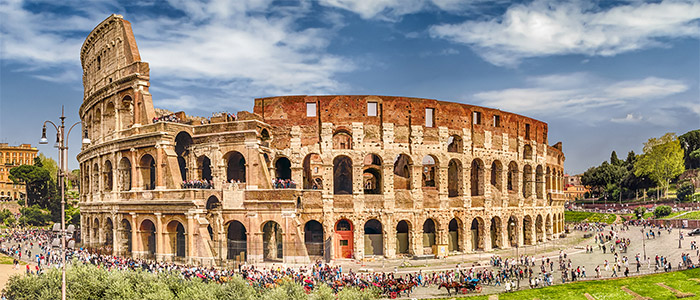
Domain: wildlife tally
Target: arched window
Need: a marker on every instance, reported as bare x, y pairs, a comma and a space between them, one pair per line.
527, 181
430, 171
512, 176
236, 241
124, 170
539, 182
235, 167
148, 172
110, 122
272, 242
454, 178
454, 144
402, 172
342, 140
183, 140
283, 168
375, 237
477, 177
107, 172
496, 171
313, 168
204, 166
126, 113
527, 152
342, 175
372, 174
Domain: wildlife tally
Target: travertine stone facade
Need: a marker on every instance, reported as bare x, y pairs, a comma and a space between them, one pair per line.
374, 175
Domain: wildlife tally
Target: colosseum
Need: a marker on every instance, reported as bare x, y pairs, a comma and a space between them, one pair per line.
303, 178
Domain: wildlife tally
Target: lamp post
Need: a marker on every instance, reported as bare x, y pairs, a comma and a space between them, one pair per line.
644, 245
517, 253
62, 167
680, 236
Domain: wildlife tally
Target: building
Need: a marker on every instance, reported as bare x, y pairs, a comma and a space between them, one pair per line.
364, 175
10, 157
574, 190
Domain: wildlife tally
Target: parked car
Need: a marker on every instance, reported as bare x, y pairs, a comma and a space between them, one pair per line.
695, 231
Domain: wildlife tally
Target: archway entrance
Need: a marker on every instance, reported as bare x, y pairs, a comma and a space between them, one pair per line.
313, 238
236, 241
527, 230
148, 238
477, 229
512, 231
496, 232
272, 242
453, 244
344, 238
428, 236
374, 238
538, 228
126, 238
402, 237
109, 227
176, 237
235, 167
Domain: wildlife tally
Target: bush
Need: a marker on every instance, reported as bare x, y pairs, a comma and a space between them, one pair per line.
34, 216
662, 211
685, 192
639, 212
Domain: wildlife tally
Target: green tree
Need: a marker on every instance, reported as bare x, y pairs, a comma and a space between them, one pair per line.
685, 191
662, 160
639, 212
48, 164
34, 216
614, 160
690, 142
662, 211
36, 181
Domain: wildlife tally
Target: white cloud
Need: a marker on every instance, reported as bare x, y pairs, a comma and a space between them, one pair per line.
566, 95
393, 10
629, 118
543, 28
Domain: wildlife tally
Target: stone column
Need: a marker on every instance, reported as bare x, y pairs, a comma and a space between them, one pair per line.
159, 167
159, 236
519, 231
116, 241
136, 180
135, 243
298, 176
487, 235
389, 237
190, 236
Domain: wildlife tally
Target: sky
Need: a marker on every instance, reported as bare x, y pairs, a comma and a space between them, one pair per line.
605, 75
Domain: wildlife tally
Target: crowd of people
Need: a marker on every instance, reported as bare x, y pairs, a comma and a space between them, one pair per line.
197, 184
167, 118
280, 183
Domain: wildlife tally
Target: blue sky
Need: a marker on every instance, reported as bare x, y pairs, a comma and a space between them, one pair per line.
604, 75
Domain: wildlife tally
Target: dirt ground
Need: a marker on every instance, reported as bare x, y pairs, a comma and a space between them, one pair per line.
6, 271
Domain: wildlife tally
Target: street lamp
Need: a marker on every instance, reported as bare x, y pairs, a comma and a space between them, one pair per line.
680, 236
62, 170
517, 253
644, 244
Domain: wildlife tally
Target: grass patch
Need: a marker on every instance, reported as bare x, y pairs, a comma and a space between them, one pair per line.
693, 215
673, 214
610, 289
6, 260
580, 216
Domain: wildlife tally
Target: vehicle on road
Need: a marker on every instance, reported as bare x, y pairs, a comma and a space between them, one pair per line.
695, 231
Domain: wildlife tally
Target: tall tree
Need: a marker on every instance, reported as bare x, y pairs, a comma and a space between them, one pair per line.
614, 160
36, 181
662, 160
49, 164
690, 142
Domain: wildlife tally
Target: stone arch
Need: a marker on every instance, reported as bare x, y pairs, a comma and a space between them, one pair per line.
374, 237
477, 177
454, 178
429, 234
148, 171
236, 241
235, 167
548, 226
527, 181
127, 242
431, 171
496, 232
527, 152
96, 231
110, 122
342, 139
402, 172
513, 226
175, 233
86, 178
97, 124
512, 176
342, 175
477, 230
454, 144
344, 237
265, 135
453, 230
496, 175
107, 176
527, 230
273, 249
548, 179
372, 180
124, 176
539, 230
313, 170
213, 203
148, 237
204, 167
283, 168
539, 182
183, 140
127, 115
96, 178
108, 232
403, 237
313, 238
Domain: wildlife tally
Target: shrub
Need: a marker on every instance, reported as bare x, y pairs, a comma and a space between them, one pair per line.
34, 216
639, 212
662, 211
685, 191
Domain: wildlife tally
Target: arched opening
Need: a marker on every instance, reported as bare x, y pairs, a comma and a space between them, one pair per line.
527, 181
496, 173
313, 168
454, 144
453, 230
148, 171
477, 230
477, 177
527, 152
428, 236
176, 238
109, 230
148, 238
527, 230
372, 174
126, 245
342, 175
97, 125
454, 178
496, 233
313, 238
235, 167
512, 176
107, 173
272, 242
548, 226
344, 238
109, 118
213, 203
548, 179
342, 140
403, 242
539, 181
374, 238
265, 135
430, 172
96, 231
402, 172
512, 231
204, 167
183, 140
86, 179
96, 178
236, 241
126, 114
283, 168
124, 170
539, 230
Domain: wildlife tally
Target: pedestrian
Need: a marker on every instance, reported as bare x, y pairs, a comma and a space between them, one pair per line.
627, 271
